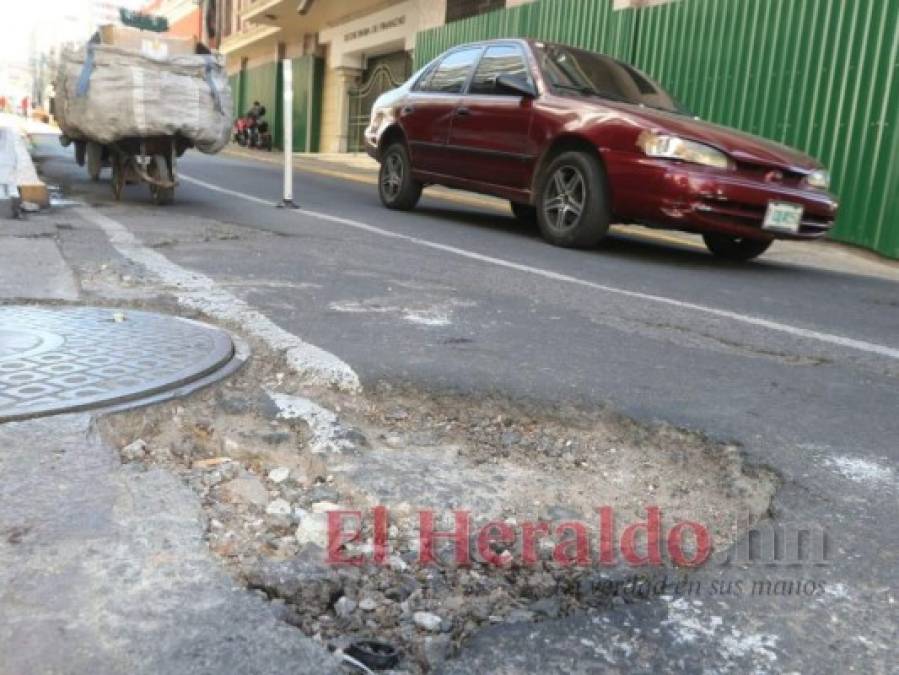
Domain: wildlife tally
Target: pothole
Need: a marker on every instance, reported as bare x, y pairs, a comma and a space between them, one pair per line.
267, 484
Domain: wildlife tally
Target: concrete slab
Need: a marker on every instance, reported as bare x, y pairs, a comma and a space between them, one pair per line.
104, 569
34, 269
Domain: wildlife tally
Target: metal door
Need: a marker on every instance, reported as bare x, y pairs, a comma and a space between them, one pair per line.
383, 74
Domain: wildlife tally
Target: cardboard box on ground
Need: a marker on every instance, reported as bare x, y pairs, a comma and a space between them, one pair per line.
153, 45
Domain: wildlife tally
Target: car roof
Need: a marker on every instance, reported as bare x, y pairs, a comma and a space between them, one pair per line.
526, 41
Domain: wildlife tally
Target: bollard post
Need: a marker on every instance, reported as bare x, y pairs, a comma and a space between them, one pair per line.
287, 111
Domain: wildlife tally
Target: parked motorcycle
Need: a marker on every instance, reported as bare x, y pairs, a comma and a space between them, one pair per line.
252, 131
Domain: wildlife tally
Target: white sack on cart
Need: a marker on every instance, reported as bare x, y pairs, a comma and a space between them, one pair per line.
106, 93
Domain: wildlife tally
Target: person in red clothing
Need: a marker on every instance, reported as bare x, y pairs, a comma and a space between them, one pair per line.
24, 106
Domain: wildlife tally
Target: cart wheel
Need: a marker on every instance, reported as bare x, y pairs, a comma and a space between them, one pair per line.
159, 168
118, 176
94, 160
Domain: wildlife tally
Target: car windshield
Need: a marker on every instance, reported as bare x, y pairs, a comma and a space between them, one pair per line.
569, 70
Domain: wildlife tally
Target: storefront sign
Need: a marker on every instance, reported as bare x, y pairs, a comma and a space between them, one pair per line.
375, 28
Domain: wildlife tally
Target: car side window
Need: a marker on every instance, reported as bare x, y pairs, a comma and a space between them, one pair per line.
450, 76
498, 60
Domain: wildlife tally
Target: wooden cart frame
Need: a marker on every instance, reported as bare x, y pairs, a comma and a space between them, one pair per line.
153, 161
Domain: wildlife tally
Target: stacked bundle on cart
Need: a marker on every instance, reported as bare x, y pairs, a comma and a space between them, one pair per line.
136, 101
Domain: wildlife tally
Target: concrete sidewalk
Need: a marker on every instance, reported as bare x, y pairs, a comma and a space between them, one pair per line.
824, 254
104, 569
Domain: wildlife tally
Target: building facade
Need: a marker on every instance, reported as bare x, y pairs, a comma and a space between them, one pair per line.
344, 55
185, 17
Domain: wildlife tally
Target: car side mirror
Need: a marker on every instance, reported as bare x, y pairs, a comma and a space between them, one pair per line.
509, 84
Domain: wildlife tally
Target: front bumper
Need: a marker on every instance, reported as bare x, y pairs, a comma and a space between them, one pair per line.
697, 199
371, 146
372, 136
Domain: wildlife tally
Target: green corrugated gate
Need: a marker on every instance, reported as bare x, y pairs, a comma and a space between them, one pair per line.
820, 75
308, 84
264, 84
586, 23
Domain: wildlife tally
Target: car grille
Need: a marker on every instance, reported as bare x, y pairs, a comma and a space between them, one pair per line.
730, 212
773, 175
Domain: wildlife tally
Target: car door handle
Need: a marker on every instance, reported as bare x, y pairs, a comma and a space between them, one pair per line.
463, 111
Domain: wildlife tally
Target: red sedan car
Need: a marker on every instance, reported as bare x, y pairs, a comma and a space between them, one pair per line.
577, 140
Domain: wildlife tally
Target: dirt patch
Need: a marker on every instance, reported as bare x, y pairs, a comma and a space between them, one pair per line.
267, 481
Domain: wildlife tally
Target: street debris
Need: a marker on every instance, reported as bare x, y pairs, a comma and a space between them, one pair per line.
328, 435
373, 654
134, 452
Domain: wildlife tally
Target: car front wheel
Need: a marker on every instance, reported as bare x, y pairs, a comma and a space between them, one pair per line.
396, 186
735, 248
572, 202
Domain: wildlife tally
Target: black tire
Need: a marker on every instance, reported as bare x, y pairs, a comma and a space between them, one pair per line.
526, 213
573, 201
396, 187
740, 249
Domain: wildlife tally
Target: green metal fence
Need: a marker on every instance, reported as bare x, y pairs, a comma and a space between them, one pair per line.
588, 24
819, 75
513, 22
308, 83
265, 84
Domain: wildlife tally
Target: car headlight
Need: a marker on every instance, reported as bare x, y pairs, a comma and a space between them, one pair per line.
818, 179
673, 147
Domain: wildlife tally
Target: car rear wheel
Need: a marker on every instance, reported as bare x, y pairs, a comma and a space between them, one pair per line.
524, 212
396, 186
572, 201
735, 248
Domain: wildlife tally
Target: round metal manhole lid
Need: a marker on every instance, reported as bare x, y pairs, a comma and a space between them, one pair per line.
63, 359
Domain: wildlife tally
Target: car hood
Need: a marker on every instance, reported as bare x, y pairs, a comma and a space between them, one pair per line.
741, 146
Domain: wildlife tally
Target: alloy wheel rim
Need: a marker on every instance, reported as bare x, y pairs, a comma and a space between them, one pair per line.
564, 198
392, 179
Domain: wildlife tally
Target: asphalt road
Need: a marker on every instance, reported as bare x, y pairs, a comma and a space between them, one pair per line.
798, 365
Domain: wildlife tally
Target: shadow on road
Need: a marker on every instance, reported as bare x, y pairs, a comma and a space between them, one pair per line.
621, 245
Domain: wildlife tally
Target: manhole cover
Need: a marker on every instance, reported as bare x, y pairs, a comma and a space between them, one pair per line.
55, 360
